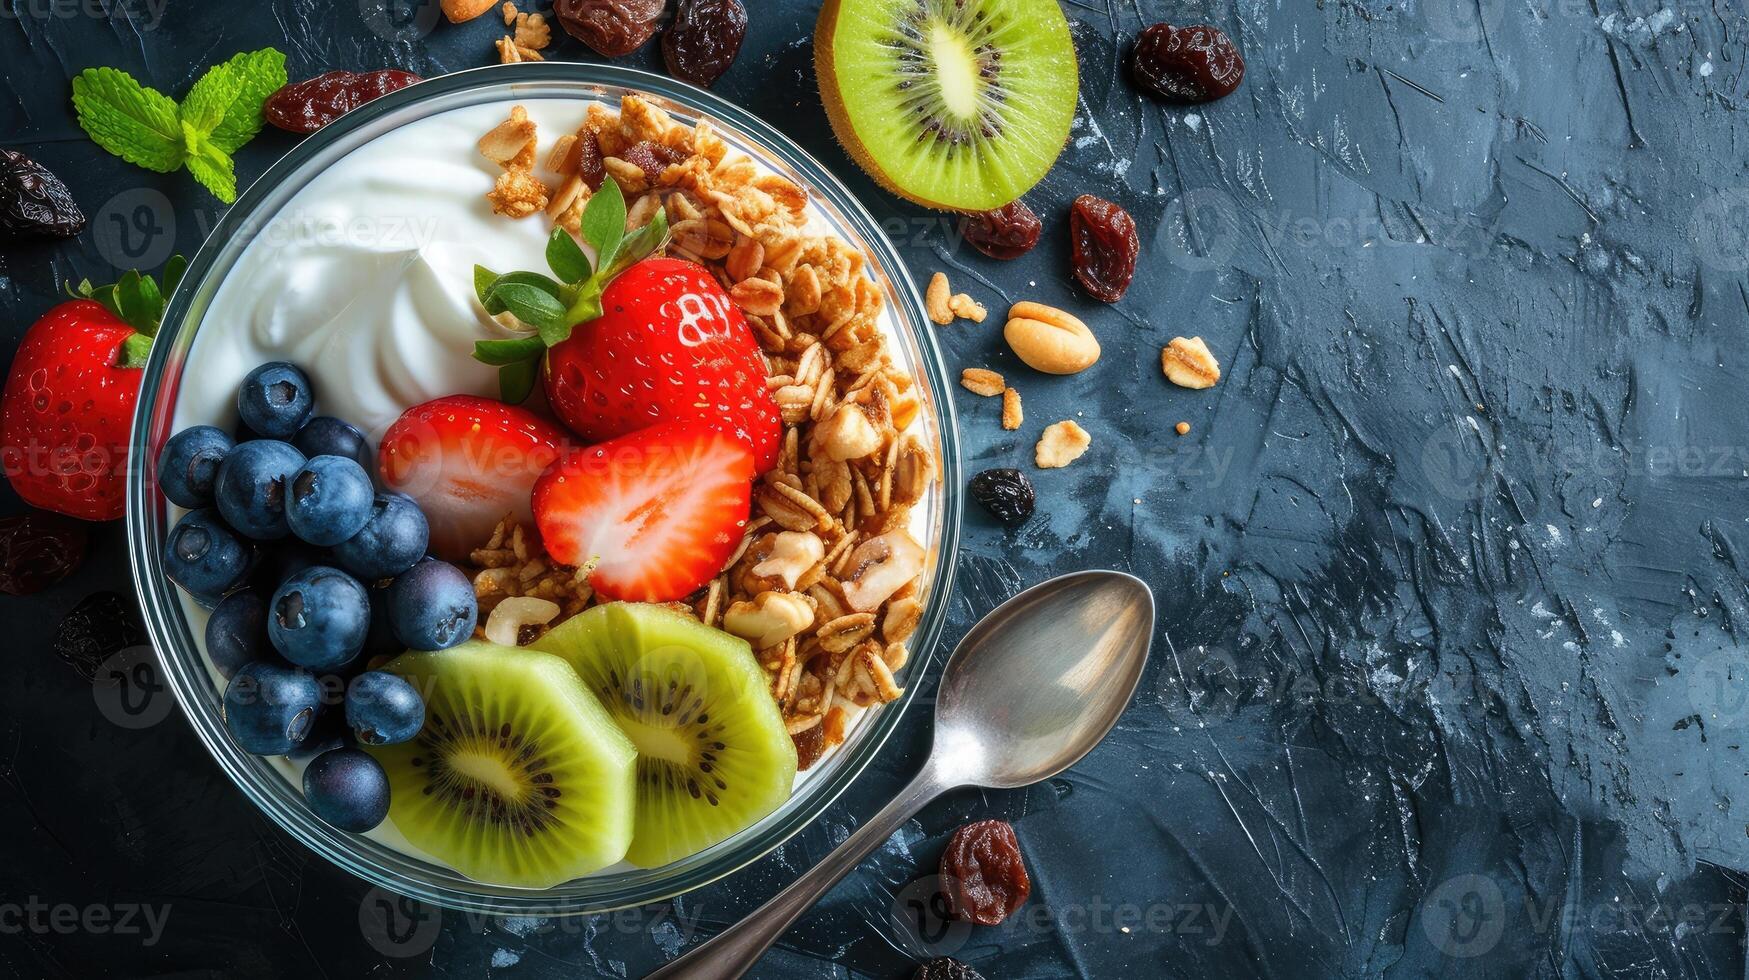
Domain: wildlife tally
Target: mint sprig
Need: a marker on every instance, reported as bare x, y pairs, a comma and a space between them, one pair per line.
147, 128
138, 301
553, 307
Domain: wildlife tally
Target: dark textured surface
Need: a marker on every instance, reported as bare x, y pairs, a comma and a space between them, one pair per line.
1448, 680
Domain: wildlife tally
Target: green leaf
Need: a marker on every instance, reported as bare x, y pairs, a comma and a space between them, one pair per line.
210, 166
567, 260
205, 105
604, 222
134, 351
134, 122
483, 280
138, 302
516, 381
503, 352
529, 304
173, 272
257, 75
641, 244
543, 283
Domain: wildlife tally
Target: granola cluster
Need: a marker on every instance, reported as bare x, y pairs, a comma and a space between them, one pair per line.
825, 584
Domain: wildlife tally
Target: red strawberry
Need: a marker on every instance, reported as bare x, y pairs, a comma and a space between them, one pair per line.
468, 461
68, 410
668, 345
659, 511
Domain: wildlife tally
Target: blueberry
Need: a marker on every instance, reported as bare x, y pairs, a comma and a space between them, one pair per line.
281, 560
380, 644
270, 708
275, 400
188, 465
383, 709
392, 540
236, 632
348, 789
331, 499
319, 618
328, 732
252, 486
326, 435
432, 606
204, 556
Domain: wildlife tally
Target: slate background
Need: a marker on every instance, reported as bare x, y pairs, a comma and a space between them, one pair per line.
1450, 566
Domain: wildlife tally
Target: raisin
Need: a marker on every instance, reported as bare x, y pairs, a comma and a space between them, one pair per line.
612, 27
33, 202
1103, 245
1008, 232
651, 158
37, 550
702, 42
306, 106
810, 745
589, 162
1187, 65
946, 968
100, 626
982, 875
1007, 494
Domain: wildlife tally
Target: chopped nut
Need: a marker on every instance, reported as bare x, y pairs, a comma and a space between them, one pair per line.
505, 625
847, 434
770, 619
1189, 363
792, 555
845, 632
1011, 414
507, 144
980, 381
1049, 339
509, 13
937, 298
1182, 428
967, 308
532, 32
1061, 444
510, 53
464, 10
879, 567
903, 615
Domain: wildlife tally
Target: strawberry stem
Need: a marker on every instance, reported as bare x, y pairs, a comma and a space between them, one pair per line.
138, 301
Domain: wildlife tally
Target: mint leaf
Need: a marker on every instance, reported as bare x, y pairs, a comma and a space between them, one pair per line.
256, 75
128, 119
501, 352
604, 222
206, 104
567, 260
516, 381
212, 167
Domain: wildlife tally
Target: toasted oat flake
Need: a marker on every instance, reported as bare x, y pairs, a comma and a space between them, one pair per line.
1061, 444
1189, 363
1011, 413
967, 308
982, 381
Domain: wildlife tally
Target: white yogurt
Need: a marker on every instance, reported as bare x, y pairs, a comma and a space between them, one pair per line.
365, 280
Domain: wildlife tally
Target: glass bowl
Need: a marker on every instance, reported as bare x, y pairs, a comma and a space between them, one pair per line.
167, 621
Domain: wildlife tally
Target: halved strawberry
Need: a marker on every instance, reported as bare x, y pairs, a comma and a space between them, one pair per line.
468, 461
659, 511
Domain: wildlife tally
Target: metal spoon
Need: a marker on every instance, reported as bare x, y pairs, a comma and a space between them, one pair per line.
1034, 686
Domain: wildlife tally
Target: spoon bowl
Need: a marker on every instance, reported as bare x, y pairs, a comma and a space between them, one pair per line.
1041, 679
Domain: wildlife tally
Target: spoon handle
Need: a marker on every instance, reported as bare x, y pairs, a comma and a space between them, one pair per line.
733, 951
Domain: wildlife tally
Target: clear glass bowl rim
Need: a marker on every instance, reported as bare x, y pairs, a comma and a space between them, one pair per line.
180, 661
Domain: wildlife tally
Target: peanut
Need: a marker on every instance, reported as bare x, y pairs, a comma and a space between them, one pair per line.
937, 298
463, 10
1049, 339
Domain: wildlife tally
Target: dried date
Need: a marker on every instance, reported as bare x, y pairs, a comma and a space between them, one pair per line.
702, 42
982, 875
1103, 247
37, 550
306, 106
810, 745
651, 158
1006, 493
33, 202
613, 28
1187, 65
1008, 232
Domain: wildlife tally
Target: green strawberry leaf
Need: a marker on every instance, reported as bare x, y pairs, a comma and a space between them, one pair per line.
134, 122
173, 272
641, 244
257, 75
483, 280
567, 260
530, 304
516, 381
499, 353
134, 351
604, 222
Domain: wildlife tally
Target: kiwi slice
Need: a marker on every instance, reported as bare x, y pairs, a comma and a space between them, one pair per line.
713, 754
518, 777
955, 104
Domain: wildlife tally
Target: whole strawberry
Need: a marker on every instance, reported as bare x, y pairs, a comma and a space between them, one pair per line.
68, 406
628, 341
